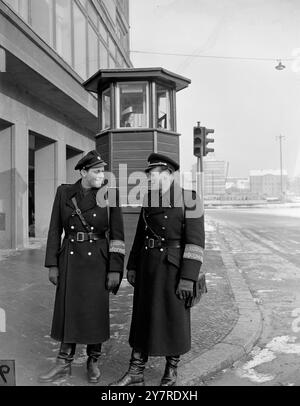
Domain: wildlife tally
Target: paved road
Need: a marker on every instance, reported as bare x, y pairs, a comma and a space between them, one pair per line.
266, 247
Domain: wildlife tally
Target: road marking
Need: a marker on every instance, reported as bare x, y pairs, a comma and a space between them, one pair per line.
2, 321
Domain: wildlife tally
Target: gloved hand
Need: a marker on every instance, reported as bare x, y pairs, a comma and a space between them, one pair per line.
112, 281
53, 275
131, 277
185, 289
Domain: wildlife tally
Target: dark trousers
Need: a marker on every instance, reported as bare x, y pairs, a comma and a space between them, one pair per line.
67, 351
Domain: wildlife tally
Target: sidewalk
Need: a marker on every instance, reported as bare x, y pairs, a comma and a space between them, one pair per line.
27, 297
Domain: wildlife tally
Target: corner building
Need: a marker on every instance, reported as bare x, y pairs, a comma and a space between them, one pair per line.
48, 48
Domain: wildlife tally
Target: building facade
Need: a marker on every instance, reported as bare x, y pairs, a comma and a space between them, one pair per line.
48, 48
214, 177
268, 183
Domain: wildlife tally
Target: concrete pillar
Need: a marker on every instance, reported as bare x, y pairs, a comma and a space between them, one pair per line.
47, 171
72, 175
6, 188
60, 163
19, 185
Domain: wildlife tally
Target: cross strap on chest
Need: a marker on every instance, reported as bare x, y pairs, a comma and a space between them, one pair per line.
83, 220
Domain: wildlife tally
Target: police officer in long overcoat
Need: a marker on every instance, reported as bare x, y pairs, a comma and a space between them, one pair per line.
164, 267
85, 266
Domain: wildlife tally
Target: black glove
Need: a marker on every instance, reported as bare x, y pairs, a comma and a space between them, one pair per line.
131, 277
185, 289
112, 281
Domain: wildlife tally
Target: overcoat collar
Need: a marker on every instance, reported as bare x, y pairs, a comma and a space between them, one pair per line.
171, 198
86, 202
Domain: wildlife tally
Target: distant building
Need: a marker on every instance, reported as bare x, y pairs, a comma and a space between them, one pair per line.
237, 185
267, 183
214, 177
294, 186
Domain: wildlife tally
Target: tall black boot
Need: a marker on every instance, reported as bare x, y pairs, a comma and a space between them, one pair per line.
170, 375
93, 371
135, 374
62, 366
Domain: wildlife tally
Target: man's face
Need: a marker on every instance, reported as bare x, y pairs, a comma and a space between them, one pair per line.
159, 178
93, 177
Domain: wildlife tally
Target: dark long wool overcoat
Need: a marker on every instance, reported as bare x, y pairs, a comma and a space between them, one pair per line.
81, 310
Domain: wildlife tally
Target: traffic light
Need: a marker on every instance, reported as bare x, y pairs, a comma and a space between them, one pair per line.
207, 140
198, 141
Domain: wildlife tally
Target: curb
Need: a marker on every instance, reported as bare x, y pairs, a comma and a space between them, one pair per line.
242, 337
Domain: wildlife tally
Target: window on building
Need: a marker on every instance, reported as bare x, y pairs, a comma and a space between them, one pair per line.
80, 51
103, 31
111, 8
93, 14
111, 46
133, 104
20, 6
103, 56
163, 107
63, 29
93, 61
42, 18
112, 63
106, 109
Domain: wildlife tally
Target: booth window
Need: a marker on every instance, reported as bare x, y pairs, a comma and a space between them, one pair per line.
163, 107
106, 109
133, 105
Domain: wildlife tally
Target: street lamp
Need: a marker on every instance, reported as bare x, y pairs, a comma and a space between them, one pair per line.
280, 66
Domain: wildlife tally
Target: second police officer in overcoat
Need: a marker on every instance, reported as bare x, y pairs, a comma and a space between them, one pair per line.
164, 267
85, 266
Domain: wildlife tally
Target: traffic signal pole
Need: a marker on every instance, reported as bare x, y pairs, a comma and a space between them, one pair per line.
201, 149
200, 174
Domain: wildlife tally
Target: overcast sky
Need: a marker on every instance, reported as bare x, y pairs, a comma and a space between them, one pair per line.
248, 103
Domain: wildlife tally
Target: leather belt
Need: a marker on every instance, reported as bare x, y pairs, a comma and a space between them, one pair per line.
159, 243
81, 237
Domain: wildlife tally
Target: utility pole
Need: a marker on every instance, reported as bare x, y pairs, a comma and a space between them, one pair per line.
280, 138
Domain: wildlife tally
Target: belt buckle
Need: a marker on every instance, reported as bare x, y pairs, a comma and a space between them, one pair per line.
151, 243
80, 236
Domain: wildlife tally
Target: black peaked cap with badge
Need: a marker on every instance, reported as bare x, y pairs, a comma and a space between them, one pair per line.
90, 160
155, 160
